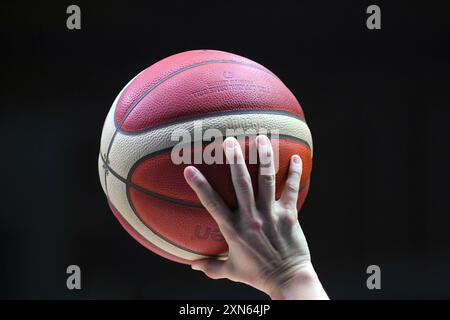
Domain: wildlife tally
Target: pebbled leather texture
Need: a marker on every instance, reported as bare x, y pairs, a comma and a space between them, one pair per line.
197, 83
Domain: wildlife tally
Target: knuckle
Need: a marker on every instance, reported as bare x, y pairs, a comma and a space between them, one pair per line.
254, 225
268, 179
287, 219
244, 183
211, 205
292, 186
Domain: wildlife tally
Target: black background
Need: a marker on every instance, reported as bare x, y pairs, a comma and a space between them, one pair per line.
377, 103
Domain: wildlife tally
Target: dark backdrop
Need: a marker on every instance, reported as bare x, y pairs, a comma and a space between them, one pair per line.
377, 103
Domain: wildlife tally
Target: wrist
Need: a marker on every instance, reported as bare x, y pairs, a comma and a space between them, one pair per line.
303, 284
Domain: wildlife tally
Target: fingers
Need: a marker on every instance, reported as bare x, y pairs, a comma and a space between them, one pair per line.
241, 178
215, 269
209, 198
266, 177
291, 189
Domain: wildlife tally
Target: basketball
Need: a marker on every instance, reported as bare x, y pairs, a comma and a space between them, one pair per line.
146, 189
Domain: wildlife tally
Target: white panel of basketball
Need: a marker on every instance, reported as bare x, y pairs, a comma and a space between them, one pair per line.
127, 149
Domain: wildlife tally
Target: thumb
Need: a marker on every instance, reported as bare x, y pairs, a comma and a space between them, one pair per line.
215, 269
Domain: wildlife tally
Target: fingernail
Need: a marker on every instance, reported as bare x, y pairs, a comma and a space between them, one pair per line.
296, 159
195, 267
262, 140
190, 172
230, 143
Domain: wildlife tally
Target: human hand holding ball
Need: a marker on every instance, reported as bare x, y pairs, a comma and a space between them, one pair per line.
267, 247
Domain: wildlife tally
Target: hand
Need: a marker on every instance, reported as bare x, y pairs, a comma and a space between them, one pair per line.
267, 247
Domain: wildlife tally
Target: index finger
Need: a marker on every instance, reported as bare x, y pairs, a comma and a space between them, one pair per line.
209, 199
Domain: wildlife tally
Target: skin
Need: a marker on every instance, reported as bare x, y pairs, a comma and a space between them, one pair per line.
267, 247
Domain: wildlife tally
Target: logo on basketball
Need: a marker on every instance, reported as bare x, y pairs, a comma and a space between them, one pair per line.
227, 74
205, 233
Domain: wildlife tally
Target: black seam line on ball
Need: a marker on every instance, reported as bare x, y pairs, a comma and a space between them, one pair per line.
167, 78
106, 180
198, 64
211, 115
166, 239
129, 183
